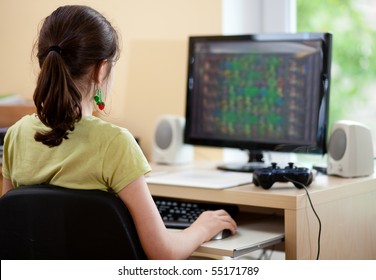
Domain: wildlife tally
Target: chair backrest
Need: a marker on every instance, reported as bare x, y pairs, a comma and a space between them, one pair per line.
50, 222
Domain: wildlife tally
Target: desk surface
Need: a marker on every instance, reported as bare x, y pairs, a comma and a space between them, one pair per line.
280, 195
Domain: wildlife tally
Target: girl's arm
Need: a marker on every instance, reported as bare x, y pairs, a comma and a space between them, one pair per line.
7, 186
157, 241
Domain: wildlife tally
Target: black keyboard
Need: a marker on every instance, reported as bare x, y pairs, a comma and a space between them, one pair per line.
181, 214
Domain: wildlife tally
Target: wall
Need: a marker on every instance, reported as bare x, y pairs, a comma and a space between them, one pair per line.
150, 75
255, 16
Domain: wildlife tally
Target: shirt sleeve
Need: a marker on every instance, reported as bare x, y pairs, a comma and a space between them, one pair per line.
123, 162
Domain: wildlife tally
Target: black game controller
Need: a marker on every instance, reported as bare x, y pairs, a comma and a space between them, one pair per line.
266, 177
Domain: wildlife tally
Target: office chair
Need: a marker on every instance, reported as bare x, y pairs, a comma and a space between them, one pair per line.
50, 222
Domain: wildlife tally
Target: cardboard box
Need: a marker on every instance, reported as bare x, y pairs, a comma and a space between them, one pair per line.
9, 114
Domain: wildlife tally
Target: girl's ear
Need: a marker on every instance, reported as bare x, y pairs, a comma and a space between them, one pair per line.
100, 71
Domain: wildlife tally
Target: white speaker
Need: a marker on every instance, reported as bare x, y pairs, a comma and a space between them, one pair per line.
168, 146
350, 150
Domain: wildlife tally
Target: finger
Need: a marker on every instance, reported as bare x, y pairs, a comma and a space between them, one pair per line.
227, 221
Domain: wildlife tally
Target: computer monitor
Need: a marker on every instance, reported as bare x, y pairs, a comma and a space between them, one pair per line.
259, 92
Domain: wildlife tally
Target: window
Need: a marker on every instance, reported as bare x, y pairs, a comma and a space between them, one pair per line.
353, 25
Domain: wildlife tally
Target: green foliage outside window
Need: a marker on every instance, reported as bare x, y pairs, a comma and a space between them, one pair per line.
353, 58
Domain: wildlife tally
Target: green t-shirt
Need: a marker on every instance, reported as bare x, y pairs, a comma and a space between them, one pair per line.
97, 155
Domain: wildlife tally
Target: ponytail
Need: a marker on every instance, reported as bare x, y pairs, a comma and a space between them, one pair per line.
57, 99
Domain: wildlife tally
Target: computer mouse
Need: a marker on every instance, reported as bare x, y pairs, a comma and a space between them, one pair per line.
222, 234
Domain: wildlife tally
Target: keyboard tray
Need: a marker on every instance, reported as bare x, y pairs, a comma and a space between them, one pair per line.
251, 236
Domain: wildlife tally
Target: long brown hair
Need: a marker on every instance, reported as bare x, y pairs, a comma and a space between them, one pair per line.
72, 41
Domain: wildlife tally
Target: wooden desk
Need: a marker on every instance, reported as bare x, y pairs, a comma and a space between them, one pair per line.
346, 207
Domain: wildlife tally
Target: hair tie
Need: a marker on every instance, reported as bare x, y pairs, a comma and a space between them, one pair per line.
55, 49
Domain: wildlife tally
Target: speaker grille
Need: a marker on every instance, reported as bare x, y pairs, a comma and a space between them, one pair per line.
337, 144
163, 135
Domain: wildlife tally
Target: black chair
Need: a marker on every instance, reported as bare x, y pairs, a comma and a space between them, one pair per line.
50, 222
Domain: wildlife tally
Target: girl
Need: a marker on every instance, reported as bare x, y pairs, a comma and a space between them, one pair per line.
64, 145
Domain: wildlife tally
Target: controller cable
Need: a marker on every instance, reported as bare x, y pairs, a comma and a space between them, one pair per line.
264, 254
314, 211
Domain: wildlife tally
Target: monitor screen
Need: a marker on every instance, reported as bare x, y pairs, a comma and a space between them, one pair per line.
260, 92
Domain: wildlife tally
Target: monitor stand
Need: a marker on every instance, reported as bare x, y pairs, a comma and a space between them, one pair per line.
255, 161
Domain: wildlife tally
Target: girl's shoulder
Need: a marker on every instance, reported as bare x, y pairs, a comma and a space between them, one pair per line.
100, 128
